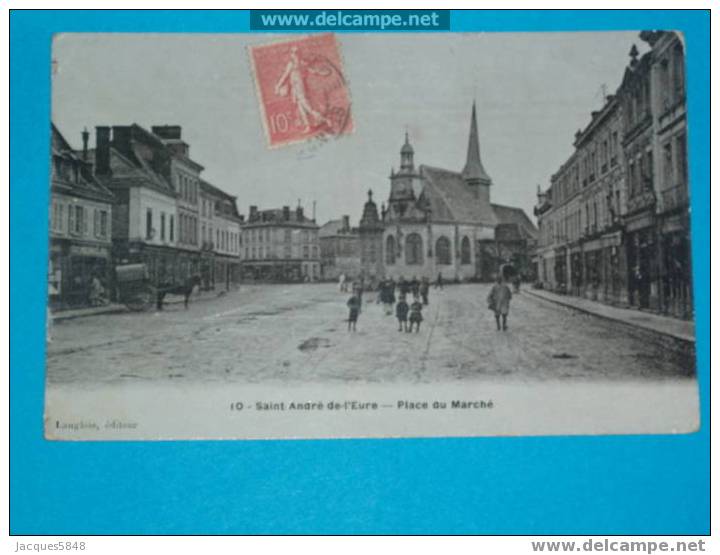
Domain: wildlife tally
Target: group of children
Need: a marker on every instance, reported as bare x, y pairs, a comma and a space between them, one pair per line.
404, 312
415, 314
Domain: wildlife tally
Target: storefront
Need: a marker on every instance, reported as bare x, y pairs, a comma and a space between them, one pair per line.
676, 267
281, 272
577, 273
71, 269
642, 266
207, 270
603, 268
227, 272
561, 270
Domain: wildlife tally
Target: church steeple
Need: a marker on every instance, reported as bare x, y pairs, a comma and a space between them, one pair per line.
473, 173
406, 156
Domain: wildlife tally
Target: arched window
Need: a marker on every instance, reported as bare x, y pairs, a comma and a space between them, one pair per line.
413, 249
465, 251
390, 250
442, 251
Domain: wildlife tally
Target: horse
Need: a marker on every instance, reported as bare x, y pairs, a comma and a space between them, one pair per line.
185, 289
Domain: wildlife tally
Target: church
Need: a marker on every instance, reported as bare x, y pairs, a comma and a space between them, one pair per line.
440, 221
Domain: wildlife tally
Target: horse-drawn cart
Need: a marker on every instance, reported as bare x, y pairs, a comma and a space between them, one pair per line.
134, 287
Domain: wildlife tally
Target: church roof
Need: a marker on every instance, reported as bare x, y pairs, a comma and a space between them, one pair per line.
451, 199
473, 169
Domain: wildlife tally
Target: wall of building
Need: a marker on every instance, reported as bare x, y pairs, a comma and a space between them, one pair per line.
186, 182
432, 263
284, 246
142, 200
94, 213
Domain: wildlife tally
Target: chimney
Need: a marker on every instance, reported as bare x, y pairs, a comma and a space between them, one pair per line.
121, 138
286, 213
346, 223
85, 137
252, 216
102, 150
299, 214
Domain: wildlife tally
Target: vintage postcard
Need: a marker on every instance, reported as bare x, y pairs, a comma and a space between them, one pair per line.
369, 235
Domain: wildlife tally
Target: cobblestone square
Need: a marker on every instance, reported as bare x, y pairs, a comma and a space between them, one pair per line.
265, 334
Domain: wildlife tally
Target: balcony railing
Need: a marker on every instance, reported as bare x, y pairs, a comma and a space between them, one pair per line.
675, 197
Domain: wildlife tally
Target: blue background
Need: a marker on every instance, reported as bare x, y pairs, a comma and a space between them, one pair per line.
600, 485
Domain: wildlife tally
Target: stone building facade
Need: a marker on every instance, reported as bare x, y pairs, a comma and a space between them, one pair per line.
580, 249
80, 225
280, 245
185, 179
673, 207
339, 249
136, 166
220, 237
614, 223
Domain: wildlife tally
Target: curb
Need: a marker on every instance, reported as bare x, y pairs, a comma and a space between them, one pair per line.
120, 309
634, 325
59, 316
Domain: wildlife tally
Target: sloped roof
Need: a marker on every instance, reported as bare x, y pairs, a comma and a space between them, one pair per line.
212, 189
135, 172
330, 228
517, 216
86, 184
449, 198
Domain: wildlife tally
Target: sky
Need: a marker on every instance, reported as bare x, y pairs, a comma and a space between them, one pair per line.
533, 91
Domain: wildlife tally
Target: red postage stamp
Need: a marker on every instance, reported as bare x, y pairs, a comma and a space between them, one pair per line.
302, 89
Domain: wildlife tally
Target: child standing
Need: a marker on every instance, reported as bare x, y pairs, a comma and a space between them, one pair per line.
401, 311
499, 302
354, 306
416, 314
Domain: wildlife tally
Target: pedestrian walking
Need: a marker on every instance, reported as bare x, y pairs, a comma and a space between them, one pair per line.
499, 302
354, 306
416, 314
387, 296
439, 282
357, 289
341, 283
415, 286
401, 312
425, 290
403, 286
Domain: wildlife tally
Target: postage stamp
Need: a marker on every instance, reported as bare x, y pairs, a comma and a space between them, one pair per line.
301, 89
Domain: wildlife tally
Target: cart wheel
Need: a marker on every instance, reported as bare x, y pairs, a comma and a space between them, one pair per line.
141, 301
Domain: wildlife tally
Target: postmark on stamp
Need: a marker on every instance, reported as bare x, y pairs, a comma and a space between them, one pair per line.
302, 89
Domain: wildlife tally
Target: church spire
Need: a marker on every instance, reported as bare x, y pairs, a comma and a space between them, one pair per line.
473, 173
406, 156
